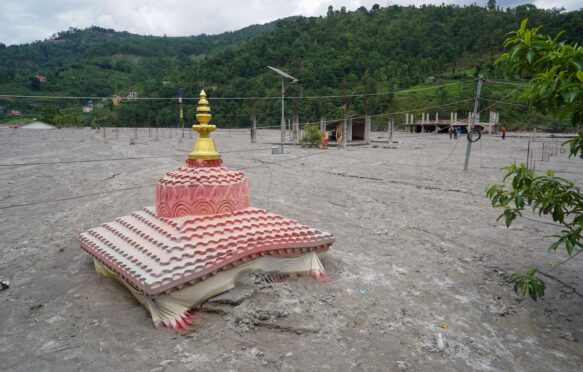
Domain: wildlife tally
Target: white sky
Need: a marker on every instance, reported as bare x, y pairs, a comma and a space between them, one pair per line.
24, 21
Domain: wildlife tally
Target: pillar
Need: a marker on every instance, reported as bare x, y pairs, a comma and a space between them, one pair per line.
322, 124
406, 119
367, 130
253, 129
349, 130
436, 118
295, 129
344, 125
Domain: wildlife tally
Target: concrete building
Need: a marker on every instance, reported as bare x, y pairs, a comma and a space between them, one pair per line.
427, 124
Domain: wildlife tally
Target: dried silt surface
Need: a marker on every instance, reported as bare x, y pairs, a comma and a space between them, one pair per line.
419, 269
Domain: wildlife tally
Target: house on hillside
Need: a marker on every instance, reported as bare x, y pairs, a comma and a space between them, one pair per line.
41, 79
15, 113
87, 108
132, 95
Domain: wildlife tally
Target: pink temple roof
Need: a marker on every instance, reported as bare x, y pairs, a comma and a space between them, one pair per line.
158, 254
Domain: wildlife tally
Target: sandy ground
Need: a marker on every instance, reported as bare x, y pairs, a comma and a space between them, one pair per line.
417, 246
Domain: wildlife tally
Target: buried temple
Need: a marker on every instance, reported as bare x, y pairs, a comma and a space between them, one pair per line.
201, 235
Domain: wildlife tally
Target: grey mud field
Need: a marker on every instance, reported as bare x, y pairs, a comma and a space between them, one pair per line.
419, 269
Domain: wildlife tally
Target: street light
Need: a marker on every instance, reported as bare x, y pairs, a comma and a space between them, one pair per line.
293, 80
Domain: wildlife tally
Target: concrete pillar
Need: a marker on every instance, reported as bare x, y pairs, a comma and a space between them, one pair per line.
436, 118
253, 129
455, 117
344, 126
390, 125
451, 117
322, 124
295, 129
406, 119
367, 130
349, 130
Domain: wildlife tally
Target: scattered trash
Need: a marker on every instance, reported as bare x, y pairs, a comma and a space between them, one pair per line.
4, 284
443, 325
362, 292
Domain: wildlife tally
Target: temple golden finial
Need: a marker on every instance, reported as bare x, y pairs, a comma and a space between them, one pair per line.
204, 147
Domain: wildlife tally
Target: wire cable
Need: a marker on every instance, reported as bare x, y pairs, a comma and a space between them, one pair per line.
237, 98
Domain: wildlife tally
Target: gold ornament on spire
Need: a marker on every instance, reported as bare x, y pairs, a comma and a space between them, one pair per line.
204, 147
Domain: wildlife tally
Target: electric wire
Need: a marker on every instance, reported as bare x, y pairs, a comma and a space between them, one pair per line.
237, 98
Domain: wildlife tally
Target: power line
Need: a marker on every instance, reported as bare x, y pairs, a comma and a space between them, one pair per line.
121, 159
507, 83
237, 98
506, 103
72, 198
500, 100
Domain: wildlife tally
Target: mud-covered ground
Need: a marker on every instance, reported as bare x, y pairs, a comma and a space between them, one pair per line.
419, 269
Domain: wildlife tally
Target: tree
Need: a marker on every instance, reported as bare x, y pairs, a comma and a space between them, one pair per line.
330, 11
555, 70
491, 5
34, 83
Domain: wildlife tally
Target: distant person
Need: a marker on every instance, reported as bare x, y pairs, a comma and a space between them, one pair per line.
451, 130
457, 132
503, 130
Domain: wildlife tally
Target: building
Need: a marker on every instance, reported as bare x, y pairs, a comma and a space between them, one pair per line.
132, 95
41, 79
427, 124
15, 113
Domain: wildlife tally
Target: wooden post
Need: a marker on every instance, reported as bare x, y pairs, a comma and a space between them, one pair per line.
528, 155
534, 135
367, 130
253, 129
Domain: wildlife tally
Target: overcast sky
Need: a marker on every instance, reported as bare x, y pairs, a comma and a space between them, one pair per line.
24, 21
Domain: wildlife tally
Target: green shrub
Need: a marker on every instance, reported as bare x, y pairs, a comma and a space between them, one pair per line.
312, 136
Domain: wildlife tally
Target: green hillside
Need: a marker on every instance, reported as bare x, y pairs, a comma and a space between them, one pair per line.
342, 54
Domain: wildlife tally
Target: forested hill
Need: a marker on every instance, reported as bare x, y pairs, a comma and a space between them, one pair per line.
98, 61
343, 53
376, 50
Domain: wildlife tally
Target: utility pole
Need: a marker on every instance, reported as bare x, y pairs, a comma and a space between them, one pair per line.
473, 121
294, 80
282, 116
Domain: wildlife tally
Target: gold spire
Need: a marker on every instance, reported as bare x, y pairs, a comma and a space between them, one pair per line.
204, 147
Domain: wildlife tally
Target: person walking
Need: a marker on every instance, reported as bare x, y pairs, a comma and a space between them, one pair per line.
503, 130
451, 130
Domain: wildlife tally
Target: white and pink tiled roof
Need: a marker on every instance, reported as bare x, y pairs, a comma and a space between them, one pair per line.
202, 223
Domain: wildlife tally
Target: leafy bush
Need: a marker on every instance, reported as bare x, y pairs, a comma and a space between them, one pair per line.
312, 136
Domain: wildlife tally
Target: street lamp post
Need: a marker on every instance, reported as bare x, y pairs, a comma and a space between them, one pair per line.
293, 80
